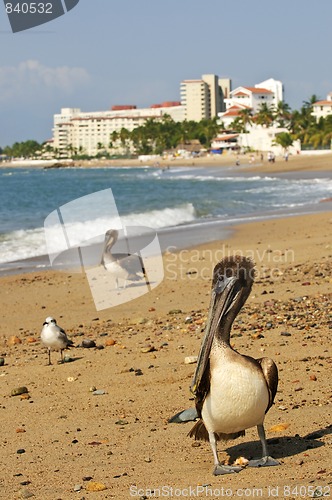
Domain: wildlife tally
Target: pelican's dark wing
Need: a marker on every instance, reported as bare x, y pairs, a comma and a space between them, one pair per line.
270, 371
132, 263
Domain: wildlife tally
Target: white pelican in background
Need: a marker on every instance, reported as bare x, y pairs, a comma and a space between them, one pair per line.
233, 391
123, 266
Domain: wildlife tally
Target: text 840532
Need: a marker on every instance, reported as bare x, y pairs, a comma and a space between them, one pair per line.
29, 8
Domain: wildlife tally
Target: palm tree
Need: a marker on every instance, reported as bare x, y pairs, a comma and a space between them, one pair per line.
284, 139
303, 124
140, 141
246, 117
265, 115
209, 130
71, 150
124, 137
308, 104
316, 140
242, 121
48, 150
282, 114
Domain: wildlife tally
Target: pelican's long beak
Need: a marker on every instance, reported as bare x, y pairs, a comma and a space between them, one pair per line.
224, 294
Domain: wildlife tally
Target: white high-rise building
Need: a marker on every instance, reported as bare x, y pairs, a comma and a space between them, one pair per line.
204, 98
275, 86
269, 92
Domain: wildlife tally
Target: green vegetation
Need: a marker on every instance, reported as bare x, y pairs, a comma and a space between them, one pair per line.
312, 134
26, 149
156, 136
159, 135
284, 139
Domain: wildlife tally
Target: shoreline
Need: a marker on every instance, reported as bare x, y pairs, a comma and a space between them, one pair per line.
210, 230
182, 237
301, 162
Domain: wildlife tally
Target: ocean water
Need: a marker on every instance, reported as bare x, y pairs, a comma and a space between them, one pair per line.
177, 197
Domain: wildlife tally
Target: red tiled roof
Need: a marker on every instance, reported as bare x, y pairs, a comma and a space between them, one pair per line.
120, 107
257, 90
240, 93
231, 112
234, 110
323, 103
166, 104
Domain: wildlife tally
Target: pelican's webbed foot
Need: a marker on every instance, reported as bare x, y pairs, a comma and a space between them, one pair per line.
221, 469
263, 462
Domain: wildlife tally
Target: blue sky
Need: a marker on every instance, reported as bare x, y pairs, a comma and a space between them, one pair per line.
106, 52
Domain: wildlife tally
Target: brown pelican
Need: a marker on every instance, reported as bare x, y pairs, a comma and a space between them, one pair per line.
123, 266
54, 338
233, 391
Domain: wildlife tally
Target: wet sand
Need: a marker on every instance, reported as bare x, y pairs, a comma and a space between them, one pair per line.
300, 162
61, 436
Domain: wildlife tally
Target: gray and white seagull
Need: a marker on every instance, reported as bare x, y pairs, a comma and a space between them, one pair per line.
54, 337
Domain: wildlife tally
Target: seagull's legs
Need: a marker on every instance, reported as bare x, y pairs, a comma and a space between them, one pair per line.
220, 469
266, 460
49, 356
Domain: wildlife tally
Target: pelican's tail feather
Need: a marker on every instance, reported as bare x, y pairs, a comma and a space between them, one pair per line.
200, 433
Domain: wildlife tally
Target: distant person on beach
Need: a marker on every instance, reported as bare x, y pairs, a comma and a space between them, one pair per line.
286, 156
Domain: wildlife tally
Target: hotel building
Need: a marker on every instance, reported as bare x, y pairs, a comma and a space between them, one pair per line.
90, 132
322, 109
204, 98
269, 92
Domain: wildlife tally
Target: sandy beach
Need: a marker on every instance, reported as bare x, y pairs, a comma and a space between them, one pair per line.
300, 162
62, 441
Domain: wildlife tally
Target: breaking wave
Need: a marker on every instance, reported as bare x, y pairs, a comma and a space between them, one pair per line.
29, 243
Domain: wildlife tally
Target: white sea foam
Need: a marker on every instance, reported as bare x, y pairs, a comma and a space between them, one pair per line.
217, 178
24, 244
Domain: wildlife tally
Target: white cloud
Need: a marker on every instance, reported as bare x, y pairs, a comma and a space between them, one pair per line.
33, 78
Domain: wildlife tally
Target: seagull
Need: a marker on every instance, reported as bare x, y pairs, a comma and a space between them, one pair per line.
233, 392
54, 337
123, 266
